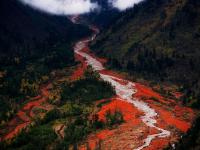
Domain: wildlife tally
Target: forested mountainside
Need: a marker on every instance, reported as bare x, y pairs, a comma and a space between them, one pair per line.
24, 29
32, 44
159, 40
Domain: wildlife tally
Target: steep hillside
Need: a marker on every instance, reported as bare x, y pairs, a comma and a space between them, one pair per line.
25, 31
32, 45
158, 40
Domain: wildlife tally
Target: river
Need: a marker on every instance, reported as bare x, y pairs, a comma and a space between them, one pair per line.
124, 91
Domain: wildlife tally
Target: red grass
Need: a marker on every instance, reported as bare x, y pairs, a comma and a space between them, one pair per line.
130, 113
166, 115
145, 91
24, 115
80, 69
178, 95
133, 131
16, 131
131, 116
158, 144
171, 119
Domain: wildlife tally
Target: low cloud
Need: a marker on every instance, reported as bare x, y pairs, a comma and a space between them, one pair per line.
124, 4
73, 7
62, 7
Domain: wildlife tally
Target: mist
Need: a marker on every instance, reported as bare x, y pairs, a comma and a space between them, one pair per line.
124, 4
62, 7
74, 7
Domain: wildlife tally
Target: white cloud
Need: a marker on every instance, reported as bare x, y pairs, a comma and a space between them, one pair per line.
73, 7
62, 7
124, 4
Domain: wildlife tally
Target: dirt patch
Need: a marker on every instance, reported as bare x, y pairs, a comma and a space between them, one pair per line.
59, 130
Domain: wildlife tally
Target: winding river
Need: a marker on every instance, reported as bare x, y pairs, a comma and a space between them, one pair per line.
124, 91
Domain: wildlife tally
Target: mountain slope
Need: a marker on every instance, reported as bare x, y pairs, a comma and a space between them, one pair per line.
32, 45
23, 29
158, 40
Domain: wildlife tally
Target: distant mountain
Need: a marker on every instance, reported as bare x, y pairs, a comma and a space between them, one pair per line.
104, 16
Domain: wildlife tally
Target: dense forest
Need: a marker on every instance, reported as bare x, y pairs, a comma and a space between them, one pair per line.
158, 40
32, 44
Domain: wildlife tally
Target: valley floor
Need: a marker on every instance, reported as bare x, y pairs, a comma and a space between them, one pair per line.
151, 121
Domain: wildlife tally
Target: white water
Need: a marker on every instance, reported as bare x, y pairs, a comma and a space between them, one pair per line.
125, 92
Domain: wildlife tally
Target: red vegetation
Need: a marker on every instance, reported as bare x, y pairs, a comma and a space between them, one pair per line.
24, 116
80, 69
131, 134
130, 113
158, 144
145, 91
170, 117
124, 133
16, 130
171, 114
178, 95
